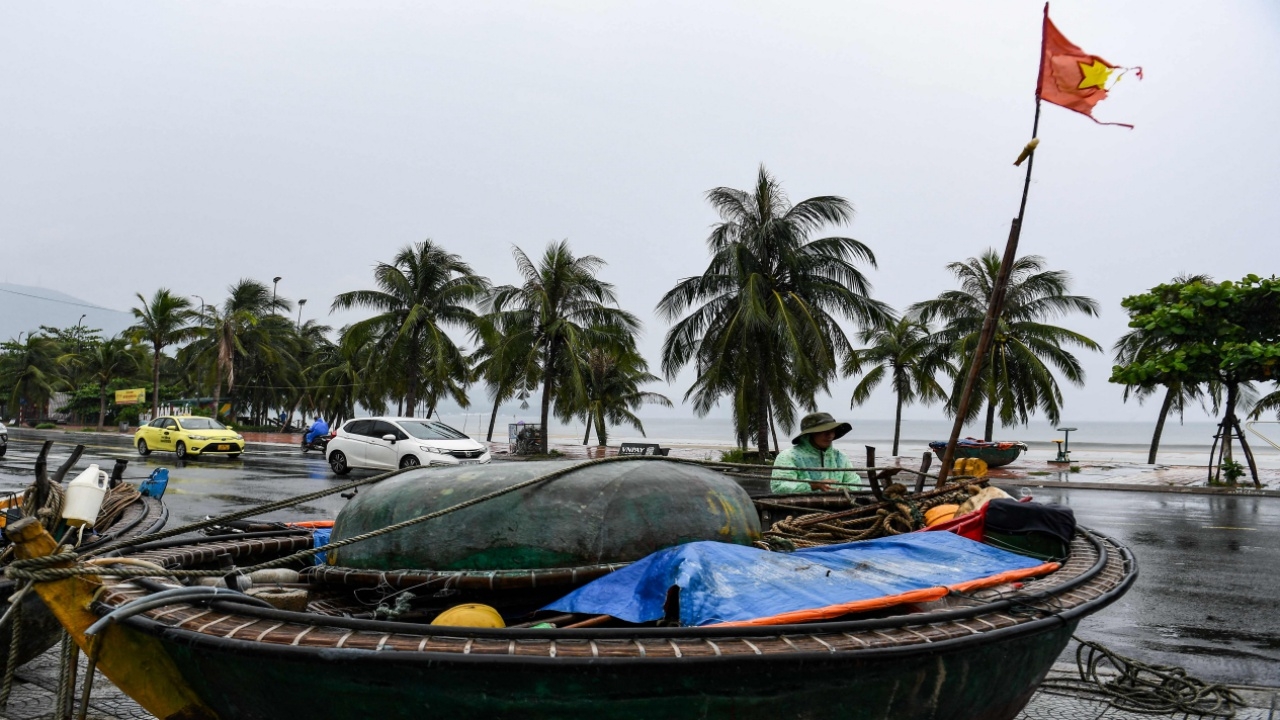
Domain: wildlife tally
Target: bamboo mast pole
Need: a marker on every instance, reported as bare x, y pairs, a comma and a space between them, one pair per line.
996, 302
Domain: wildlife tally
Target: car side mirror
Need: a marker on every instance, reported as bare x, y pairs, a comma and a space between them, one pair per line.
389, 437
231, 427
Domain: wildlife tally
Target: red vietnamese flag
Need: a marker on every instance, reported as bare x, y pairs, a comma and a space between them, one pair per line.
1071, 77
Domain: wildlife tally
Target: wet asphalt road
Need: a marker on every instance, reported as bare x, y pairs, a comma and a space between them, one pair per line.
1205, 598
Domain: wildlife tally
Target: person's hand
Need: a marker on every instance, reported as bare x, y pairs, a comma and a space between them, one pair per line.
821, 486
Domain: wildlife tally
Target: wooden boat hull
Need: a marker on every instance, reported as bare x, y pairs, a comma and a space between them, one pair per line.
39, 629
959, 684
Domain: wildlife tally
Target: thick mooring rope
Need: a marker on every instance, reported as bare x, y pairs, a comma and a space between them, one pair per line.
1145, 688
899, 514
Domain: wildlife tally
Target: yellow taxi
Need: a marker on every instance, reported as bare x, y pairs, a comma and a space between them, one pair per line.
188, 435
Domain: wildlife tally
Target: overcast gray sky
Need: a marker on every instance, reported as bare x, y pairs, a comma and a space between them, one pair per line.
190, 144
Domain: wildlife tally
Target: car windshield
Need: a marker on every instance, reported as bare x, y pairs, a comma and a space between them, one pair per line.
424, 430
199, 423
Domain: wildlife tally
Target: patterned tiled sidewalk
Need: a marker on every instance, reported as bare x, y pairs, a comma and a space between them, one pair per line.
36, 684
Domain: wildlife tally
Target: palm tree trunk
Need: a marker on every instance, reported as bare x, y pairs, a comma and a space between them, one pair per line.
602, 430
548, 383
991, 421
217, 395
897, 425
102, 407
155, 378
762, 421
493, 418
773, 431
1164, 413
586, 437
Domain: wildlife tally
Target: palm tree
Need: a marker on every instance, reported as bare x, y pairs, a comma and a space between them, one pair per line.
1137, 343
906, 353
560, 309
29, 370
510, 370
1017, 379
424, 290
103, 362
225, 332
763, 323
162, 321
611, 391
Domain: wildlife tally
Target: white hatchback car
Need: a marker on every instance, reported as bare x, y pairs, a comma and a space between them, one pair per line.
392, 442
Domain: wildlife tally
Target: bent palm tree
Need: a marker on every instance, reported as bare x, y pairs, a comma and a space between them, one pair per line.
421, 292
611, 391
1016, 378
560, 309
226, 332
103, 362
762, 325
29, 370
162, 321
906, 354
508, 367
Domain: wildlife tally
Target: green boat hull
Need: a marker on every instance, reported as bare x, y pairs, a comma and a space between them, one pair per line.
993, 457
988, 680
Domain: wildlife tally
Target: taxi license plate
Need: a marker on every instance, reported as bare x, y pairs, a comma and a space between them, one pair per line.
468, 462
224, 447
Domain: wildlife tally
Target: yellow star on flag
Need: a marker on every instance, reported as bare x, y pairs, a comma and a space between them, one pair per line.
1095, 75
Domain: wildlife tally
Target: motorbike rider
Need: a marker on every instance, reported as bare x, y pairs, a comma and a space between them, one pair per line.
318, 429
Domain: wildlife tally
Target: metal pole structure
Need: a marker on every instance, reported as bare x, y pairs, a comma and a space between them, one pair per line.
275, 282
301, 302
996, 301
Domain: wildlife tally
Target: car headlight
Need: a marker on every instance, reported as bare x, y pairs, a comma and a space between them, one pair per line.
437, 451
198, 437
239, 437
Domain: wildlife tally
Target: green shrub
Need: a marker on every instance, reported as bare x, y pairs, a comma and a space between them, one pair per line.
1232, 471
46, 426
1075, 468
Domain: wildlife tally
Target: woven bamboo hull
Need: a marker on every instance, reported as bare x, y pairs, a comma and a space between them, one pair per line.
991, 680
39, 630
993, 457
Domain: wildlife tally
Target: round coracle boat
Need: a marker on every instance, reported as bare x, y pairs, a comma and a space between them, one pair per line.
969, 650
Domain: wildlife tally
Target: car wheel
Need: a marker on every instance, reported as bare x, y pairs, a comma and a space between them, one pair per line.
409, 461
338, 463
142, 448
233, 456
3, 450
180, 450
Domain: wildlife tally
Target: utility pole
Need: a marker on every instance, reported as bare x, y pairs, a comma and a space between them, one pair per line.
275, 282
301, 302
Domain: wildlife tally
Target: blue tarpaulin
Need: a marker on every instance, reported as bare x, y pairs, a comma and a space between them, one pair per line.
719, 582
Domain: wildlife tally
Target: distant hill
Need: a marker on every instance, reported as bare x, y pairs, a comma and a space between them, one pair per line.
24, 308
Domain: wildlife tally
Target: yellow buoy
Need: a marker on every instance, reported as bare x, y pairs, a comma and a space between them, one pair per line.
470, 615
939, 514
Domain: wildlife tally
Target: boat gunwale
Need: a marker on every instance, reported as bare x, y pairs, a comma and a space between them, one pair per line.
1102, 544
236, 646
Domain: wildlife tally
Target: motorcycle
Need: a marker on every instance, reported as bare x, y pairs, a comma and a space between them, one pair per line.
321, 443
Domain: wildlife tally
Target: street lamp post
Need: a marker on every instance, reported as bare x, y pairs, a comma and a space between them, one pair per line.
275, 281
301, 302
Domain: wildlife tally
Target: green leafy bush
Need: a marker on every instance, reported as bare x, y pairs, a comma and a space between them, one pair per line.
46, 426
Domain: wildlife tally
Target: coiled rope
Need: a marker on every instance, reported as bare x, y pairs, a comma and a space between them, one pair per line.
1134, 686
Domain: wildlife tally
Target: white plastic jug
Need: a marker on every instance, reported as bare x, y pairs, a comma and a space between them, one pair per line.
84, 497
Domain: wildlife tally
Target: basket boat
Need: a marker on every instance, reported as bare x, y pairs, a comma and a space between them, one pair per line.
978, 656
994, 454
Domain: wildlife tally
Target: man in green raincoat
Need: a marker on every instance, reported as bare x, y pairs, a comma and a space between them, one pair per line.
811, 463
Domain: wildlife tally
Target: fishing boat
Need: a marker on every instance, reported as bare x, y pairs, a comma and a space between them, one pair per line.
994, 454
126, 514
352, 649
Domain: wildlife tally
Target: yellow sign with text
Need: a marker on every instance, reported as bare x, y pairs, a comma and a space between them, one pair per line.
131, 397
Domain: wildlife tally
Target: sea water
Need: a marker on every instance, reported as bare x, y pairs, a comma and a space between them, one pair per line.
1099, 441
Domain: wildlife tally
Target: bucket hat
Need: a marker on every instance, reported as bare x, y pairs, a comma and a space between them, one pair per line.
820, 422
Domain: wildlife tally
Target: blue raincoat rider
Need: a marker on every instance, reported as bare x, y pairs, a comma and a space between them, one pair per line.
319, 428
